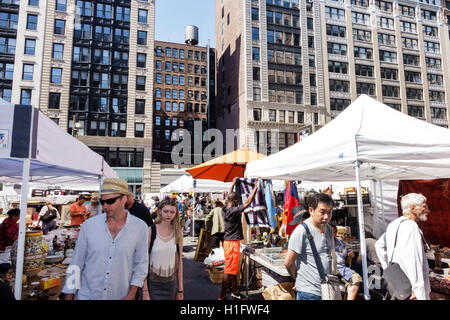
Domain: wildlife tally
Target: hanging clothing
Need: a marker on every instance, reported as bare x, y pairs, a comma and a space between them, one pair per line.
270, 202
256, 213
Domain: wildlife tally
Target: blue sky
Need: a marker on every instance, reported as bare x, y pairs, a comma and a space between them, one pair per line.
171, 16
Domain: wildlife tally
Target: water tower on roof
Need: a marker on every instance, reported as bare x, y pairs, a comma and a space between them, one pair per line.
191, 35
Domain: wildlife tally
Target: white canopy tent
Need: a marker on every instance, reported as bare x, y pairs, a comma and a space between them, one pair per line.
187, 183
35, 149
367, 141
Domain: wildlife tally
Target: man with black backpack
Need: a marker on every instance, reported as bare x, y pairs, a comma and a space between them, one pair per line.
48, 216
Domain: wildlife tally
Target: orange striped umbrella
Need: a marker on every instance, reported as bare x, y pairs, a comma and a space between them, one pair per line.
226, 167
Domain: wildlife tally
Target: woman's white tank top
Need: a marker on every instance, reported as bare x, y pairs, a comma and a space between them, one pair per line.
162, 257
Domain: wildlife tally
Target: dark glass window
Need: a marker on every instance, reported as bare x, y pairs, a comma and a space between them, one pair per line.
142, 37
140, 106
140, 82
54, 99
141, 60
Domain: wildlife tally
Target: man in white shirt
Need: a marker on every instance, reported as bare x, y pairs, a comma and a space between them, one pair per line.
409, 251
110, 260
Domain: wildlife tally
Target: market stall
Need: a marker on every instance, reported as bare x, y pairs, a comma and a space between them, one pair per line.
353, 146
35, 149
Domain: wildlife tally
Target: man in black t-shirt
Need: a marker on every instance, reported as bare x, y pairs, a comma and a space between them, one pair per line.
138, 209
232, 214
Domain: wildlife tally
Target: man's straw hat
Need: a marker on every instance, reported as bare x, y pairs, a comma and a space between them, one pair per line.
115, 185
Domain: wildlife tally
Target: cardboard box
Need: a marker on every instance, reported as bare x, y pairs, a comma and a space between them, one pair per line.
47, 283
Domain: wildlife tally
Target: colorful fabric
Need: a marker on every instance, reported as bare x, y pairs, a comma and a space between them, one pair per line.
256, 213
9, 230
270, 202
231, 251
291, 200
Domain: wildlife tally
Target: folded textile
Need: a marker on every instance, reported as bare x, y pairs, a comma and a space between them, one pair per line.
256, 213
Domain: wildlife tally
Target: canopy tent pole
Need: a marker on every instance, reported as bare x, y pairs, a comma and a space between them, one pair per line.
362, 235
99, 206
193, 211
380, 183
22, 229
373, 186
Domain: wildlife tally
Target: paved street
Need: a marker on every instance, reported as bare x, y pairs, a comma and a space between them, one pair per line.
197, 285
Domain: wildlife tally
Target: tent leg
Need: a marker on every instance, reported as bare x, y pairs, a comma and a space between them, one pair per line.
22, 229
373, 186
382, 203
193, 216
362, 235
99, 207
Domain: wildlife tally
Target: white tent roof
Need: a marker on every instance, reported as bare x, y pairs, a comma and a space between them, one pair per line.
388, 143
186, 184
56, 156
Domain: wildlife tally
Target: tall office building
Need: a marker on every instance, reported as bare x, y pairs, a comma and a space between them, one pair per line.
286, 66
89, 66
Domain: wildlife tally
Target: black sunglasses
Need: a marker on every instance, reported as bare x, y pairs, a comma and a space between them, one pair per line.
109, 201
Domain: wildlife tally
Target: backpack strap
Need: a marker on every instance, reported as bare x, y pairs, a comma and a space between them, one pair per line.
152, 240
315, 253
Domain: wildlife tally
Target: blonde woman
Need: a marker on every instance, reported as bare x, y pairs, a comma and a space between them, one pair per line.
165, 274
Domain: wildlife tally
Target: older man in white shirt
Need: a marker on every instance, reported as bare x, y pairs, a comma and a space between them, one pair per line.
409, 251
110, 260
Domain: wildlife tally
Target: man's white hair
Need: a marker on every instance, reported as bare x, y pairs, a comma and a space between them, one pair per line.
409, 199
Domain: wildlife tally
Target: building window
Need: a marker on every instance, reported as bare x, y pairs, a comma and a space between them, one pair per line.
140, 83
142, 37
168, 52
5, 94
33, 3
28, 70
336, 31
255, 53
56, 75
123, 14
257, 114
60, 26
25, 96
255, 33
9, 20
142, 16
30, 46
256, 94
54, 100
32, 21
141, 60
415, 111
61, 5
7, 45
58, 50
6, 71
339, 104
363, 70
139, 130
255, 14
103, 11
